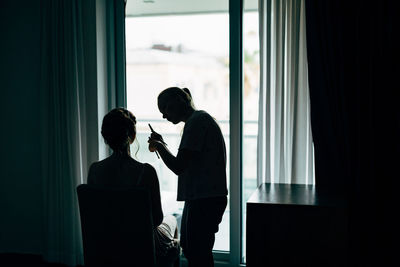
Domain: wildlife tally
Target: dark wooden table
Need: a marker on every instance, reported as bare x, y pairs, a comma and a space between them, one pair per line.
294, 225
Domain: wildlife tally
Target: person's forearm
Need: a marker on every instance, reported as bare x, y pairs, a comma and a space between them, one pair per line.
170, 160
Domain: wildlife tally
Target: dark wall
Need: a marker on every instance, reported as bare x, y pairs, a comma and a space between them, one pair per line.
20, 179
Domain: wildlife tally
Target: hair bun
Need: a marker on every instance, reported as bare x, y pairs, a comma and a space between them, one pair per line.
118, 127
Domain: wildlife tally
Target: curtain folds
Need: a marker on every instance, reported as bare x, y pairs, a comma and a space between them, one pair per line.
353, 73
285, 149
64, 131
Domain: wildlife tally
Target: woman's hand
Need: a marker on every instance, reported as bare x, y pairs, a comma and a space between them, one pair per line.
156, 137
153, 144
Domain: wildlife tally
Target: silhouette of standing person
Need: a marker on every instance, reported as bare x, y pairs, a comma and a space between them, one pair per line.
201, 168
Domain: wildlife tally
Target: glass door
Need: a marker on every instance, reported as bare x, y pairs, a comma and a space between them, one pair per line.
186, 48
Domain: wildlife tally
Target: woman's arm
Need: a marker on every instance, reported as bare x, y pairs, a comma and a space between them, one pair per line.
176, 164
151, 180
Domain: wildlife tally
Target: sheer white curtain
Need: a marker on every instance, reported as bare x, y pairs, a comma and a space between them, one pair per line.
285, 150
64, 129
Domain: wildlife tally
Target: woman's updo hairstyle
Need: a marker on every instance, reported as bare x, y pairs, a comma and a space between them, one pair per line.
118, 128
176, 92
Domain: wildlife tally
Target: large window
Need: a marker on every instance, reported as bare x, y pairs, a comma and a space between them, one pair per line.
177, 50
189, 47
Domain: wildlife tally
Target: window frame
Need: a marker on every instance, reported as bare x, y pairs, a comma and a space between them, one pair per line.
236, 127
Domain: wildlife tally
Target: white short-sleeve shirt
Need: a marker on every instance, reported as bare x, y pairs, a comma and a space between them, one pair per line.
206, 174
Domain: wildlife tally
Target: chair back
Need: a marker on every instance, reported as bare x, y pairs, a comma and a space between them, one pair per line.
117, 226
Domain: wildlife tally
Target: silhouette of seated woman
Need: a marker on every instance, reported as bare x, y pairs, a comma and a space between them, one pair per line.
120, 169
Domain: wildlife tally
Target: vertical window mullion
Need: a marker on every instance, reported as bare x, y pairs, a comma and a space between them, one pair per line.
120, 53
236, 125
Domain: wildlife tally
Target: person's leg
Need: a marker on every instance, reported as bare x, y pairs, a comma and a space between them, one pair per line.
168, 227
167, 247
200, 241
183, 229
202, 218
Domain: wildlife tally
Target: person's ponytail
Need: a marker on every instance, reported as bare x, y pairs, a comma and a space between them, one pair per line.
187, 91
188, 97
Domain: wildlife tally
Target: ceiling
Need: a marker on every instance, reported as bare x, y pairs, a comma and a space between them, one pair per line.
136, 8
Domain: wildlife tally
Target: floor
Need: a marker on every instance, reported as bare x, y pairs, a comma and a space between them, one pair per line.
25, 260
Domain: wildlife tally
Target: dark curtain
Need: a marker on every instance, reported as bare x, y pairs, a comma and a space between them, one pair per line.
353, 79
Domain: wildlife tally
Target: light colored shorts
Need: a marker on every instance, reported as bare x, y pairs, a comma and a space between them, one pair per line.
164, 235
